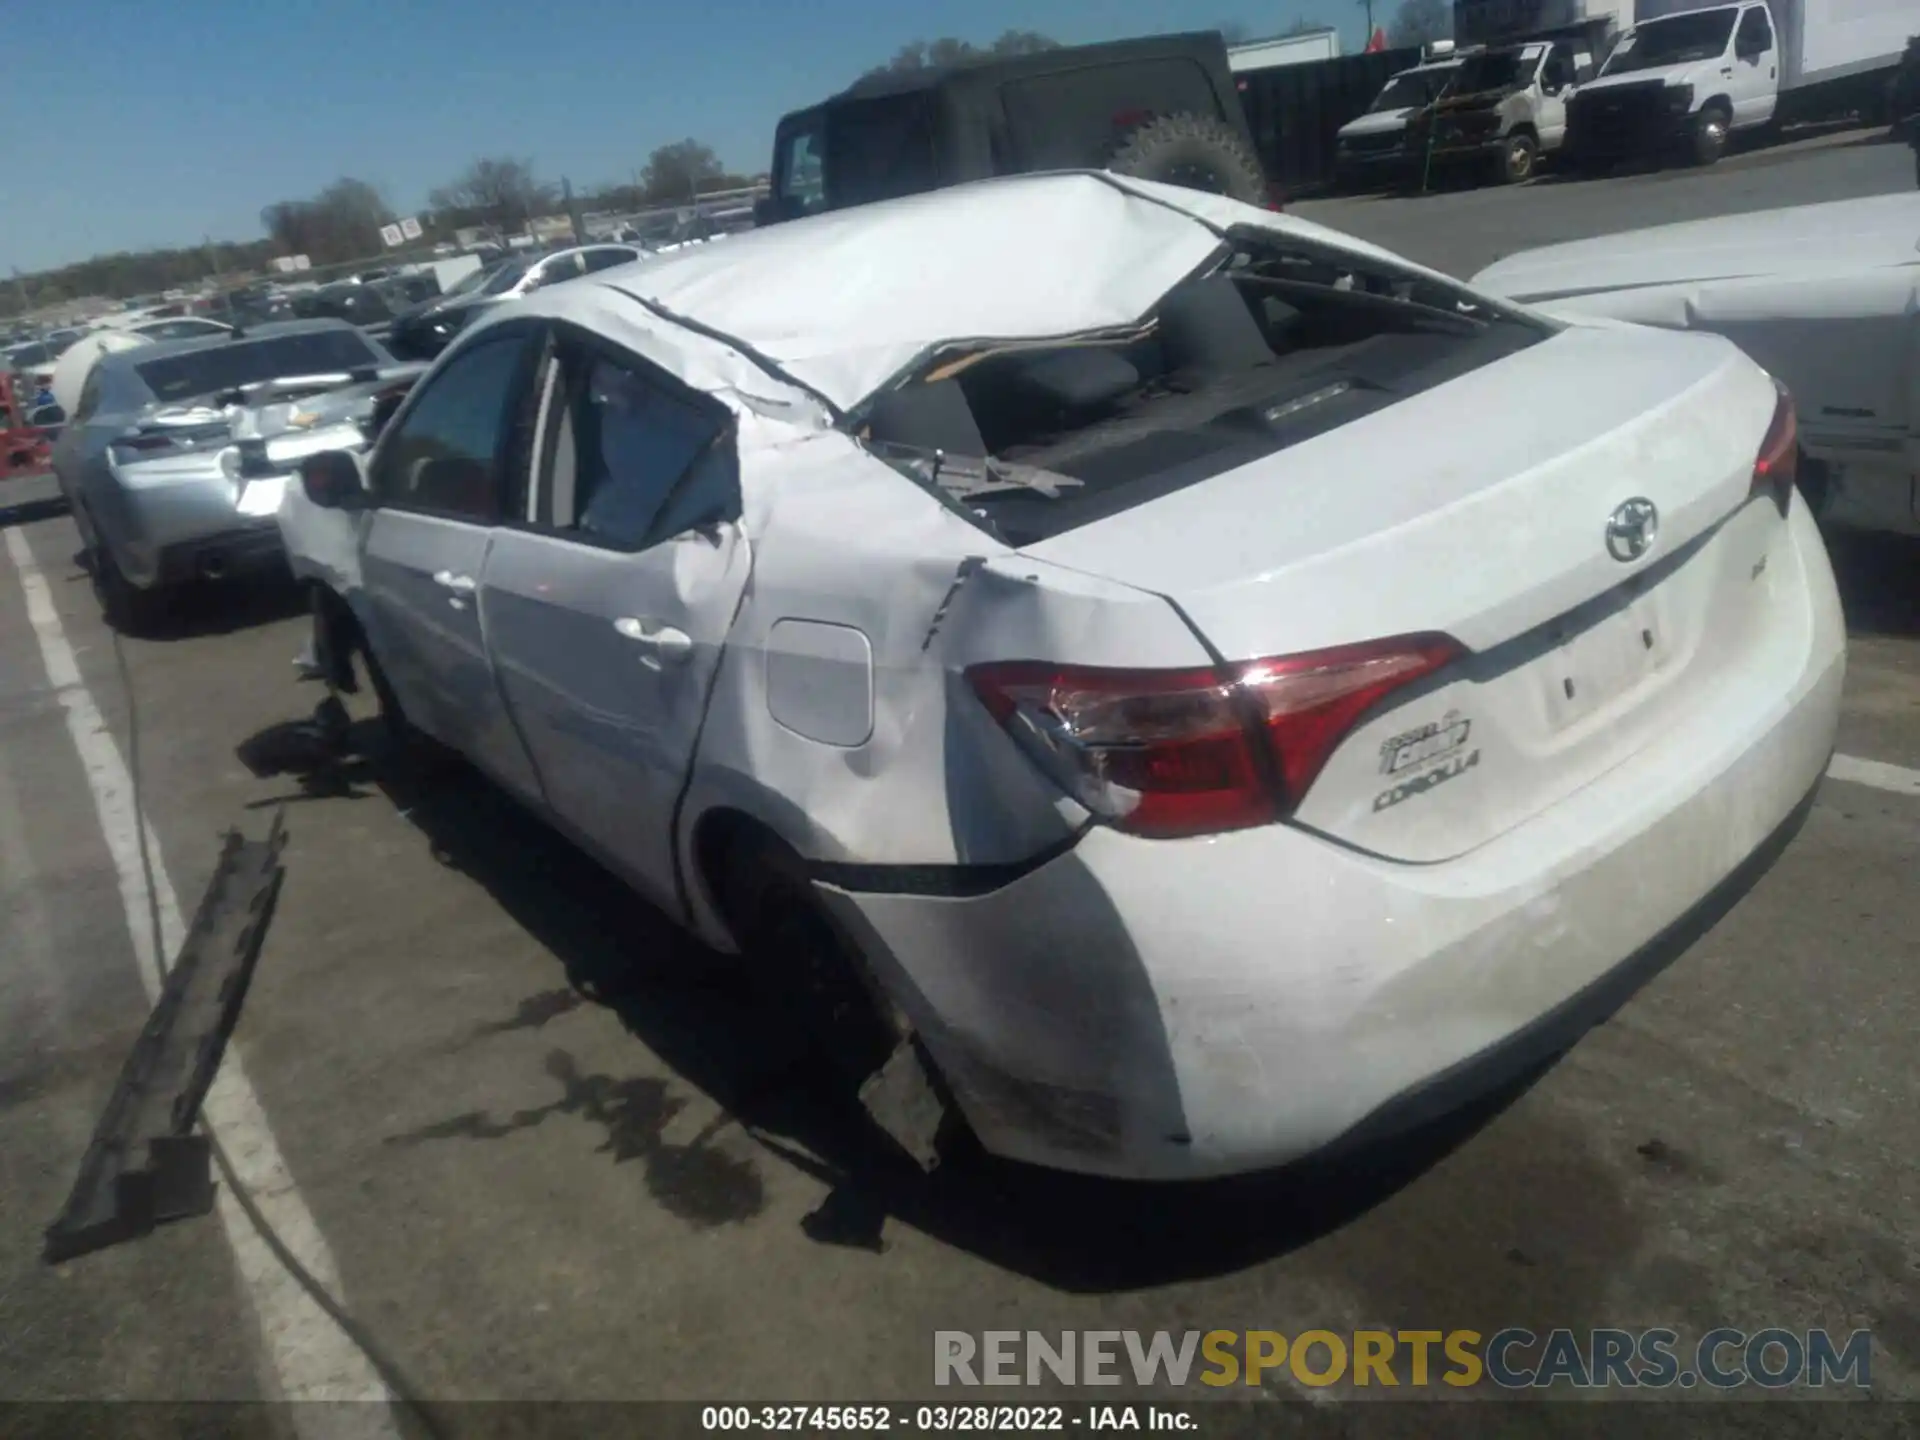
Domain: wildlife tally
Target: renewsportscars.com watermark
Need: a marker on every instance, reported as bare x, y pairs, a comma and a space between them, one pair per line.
1512, 1359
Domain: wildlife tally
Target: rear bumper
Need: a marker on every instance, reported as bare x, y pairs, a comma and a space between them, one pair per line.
256, 549
1180, 1009
165, 533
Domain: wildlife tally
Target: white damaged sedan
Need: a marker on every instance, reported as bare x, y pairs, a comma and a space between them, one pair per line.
1171, 683
1826, 297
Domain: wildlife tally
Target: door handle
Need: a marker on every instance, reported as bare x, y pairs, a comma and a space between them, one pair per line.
664, 644
1726, 70
459, 584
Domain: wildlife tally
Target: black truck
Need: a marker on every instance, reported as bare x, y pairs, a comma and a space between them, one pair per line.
1163, 108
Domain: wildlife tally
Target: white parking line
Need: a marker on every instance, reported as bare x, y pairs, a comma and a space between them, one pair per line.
1876, 773
312, 1357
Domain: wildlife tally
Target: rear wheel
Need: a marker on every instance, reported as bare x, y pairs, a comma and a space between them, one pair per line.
338, 644
126, 607
1195, 151
1710, 136
800, 961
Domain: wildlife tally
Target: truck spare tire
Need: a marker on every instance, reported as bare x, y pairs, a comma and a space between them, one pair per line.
1196, 151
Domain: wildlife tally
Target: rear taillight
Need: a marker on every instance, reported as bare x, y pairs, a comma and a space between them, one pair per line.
1309, 703
1167, 753
1779, 462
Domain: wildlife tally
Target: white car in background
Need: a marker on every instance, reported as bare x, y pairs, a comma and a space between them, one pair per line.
1826, 297
1073, 644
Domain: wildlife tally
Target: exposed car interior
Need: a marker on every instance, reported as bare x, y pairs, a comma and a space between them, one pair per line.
1269, 349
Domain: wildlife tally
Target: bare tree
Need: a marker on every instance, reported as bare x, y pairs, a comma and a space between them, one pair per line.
1234, 32
342, 222
677, 171
1022, 42
495, 191
1420, 22
922, 54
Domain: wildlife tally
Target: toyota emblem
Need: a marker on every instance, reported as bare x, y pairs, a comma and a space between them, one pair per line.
1631, 528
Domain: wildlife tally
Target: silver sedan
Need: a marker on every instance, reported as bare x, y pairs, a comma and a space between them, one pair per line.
155, 460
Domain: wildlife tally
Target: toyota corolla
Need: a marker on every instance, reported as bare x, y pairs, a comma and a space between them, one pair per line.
1177, 684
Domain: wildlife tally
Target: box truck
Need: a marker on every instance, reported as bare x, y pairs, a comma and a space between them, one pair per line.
1688, 75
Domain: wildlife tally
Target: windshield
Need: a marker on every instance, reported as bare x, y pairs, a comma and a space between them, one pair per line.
1407, 92
1499, 70
1702, 35
247, 362
505, 278
471, 281
28, 355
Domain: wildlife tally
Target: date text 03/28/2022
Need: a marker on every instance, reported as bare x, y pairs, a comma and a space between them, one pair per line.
942, 1419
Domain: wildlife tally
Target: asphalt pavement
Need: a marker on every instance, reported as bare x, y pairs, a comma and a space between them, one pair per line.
540, 1149
1462, 230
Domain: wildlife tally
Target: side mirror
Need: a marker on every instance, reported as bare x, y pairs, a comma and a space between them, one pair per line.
331, 481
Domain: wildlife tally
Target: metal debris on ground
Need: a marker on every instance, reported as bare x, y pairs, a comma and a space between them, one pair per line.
147, 1163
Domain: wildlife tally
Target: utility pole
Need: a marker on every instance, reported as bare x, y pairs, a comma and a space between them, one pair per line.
1367, 5
573, 212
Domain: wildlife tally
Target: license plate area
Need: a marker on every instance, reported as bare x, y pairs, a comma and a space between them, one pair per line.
1592, 668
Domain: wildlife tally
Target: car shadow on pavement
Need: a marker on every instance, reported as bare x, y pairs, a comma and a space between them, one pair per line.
201, 608
1879, 580
700, 1015
31, 512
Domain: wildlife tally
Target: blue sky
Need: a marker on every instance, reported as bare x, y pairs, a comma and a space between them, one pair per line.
138, 123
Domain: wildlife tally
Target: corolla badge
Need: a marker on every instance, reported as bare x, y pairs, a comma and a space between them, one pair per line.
1631, 528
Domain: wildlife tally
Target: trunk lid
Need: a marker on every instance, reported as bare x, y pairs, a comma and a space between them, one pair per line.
1495, 532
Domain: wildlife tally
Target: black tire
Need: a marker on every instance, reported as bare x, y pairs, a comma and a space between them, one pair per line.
127, 608
343, 644
406, 742
1196, 151
1709, 140
1519, 158
799, 960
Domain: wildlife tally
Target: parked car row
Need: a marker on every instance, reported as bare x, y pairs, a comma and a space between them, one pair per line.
422, 331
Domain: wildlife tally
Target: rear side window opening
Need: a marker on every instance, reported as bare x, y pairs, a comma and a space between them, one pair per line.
1276, 344
881, 148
